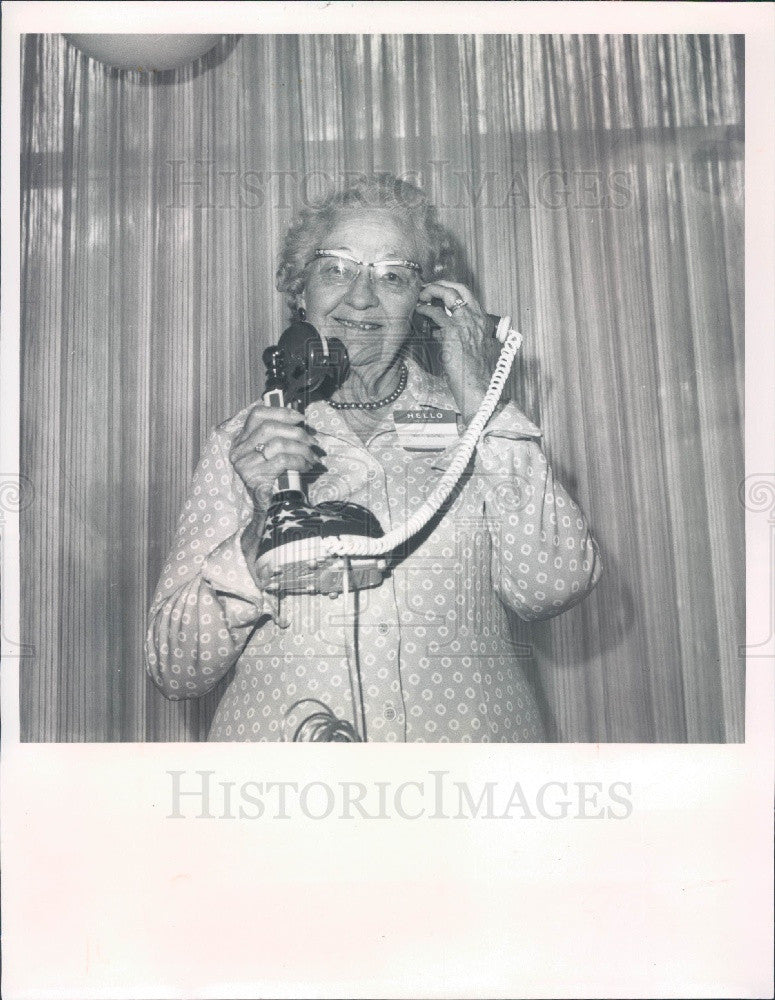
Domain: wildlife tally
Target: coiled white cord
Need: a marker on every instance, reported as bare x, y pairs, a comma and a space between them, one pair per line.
362, 546
323, 725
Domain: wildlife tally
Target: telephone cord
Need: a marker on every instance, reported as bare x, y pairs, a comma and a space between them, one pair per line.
323, 725
351, 652
355, 546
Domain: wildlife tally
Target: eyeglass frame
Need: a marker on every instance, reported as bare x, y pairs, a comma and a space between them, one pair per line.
395, 261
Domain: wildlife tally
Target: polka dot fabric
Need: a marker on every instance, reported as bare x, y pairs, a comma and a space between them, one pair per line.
436, 657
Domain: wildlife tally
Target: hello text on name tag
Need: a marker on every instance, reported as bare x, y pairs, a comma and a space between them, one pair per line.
426, 428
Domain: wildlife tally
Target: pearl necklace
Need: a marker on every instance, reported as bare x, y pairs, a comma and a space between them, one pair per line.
377, 403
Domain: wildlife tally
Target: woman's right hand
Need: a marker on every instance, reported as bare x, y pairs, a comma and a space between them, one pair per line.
273, 440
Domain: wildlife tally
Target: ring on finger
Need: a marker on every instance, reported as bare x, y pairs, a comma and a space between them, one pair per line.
261, 449
457, 304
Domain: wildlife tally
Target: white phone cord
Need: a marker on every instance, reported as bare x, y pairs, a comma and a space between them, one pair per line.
351, 653
355, 546
512, 341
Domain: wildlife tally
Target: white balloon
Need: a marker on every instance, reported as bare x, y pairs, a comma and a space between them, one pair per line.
144, 52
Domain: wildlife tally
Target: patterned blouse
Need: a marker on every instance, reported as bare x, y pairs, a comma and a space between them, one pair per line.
435, 653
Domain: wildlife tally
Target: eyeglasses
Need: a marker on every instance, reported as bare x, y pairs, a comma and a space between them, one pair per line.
340, 269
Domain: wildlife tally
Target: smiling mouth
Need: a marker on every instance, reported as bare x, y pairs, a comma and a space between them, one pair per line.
353, 324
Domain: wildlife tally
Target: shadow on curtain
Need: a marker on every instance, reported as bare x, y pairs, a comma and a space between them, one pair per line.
595, 184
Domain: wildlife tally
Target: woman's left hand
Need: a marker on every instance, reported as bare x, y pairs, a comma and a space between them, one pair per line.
462, 337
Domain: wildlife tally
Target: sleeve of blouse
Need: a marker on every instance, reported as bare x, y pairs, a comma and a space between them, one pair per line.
206, 604
544, 559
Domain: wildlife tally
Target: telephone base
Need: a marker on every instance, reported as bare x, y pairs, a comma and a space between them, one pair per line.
293, 558
303, 567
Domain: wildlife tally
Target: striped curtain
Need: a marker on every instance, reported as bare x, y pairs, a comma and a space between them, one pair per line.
595, 187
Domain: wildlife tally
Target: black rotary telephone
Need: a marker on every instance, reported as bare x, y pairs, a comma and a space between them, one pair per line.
338, 544
301, 368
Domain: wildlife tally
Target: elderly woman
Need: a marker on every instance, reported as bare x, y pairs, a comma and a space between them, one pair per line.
435, 657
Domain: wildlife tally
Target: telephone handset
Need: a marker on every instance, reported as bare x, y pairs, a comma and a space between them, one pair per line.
426, 328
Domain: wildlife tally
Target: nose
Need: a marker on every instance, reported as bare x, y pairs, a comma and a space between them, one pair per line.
361, 294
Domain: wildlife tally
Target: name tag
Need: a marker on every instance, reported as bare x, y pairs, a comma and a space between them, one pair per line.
426, 428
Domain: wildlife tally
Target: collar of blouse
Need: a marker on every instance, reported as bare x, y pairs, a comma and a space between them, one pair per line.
422, 389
